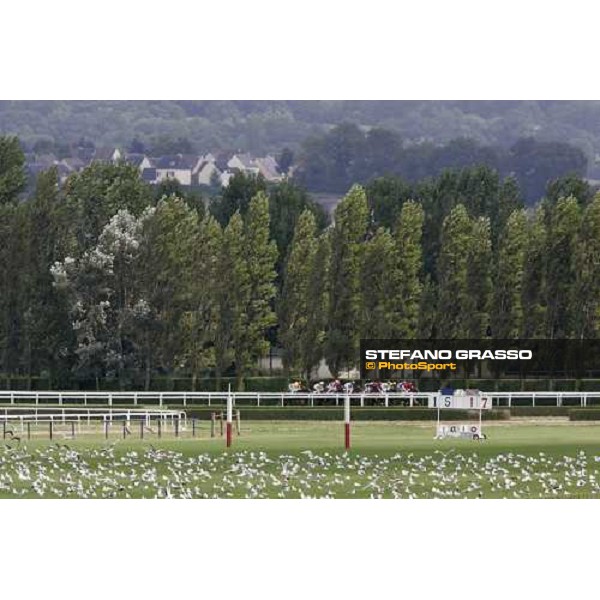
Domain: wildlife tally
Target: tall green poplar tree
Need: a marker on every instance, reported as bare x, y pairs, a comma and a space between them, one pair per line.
47, 335
407, 288
166, 275
318, 291
586, 296
294, 307
261, 256
534, 277
348, 234
232, 289
479, 279
13, 284
453, 275
198, 320
377, 296
565, 217
507, 314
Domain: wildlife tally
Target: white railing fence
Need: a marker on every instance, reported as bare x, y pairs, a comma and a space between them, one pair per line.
63, 414
190, 399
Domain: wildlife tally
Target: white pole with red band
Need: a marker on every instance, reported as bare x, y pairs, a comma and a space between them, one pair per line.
347, 421
229, 416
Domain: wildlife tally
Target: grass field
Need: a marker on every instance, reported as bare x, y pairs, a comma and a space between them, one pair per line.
549, 458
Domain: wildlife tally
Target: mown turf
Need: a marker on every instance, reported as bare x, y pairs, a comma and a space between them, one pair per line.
299, 459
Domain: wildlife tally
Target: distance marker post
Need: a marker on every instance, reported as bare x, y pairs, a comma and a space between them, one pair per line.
347, 422
229, 416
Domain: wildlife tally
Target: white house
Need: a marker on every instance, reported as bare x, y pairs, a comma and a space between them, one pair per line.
112, 155
244, 163
206, 172
266, 166
180, 167
141, 161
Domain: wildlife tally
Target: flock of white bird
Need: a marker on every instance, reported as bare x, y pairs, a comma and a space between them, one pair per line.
58, 471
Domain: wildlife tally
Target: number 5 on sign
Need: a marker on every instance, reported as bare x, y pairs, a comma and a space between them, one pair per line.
440, 401
472, 401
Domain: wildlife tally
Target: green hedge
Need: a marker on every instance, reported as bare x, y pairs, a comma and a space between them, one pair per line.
428, 385
358, 414
540, 411
515, 385
266, 384
565, 385
589, 385
170, 384
433, 385
584, 414
20, 383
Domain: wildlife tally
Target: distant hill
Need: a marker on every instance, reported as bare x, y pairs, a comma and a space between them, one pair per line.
262, 127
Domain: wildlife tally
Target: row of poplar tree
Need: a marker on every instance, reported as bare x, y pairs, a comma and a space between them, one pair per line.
538, 277
101, 279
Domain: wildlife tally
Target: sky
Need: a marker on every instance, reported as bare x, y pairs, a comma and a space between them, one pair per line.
298, 50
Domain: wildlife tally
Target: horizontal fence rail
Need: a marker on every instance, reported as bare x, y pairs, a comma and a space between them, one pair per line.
79, 414
190, 399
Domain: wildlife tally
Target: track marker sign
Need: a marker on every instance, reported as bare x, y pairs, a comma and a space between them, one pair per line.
461, 401
464, 402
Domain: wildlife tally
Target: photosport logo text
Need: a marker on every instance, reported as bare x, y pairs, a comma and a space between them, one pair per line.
484, 359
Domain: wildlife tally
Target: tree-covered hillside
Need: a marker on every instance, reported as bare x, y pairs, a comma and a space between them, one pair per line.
268, 126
